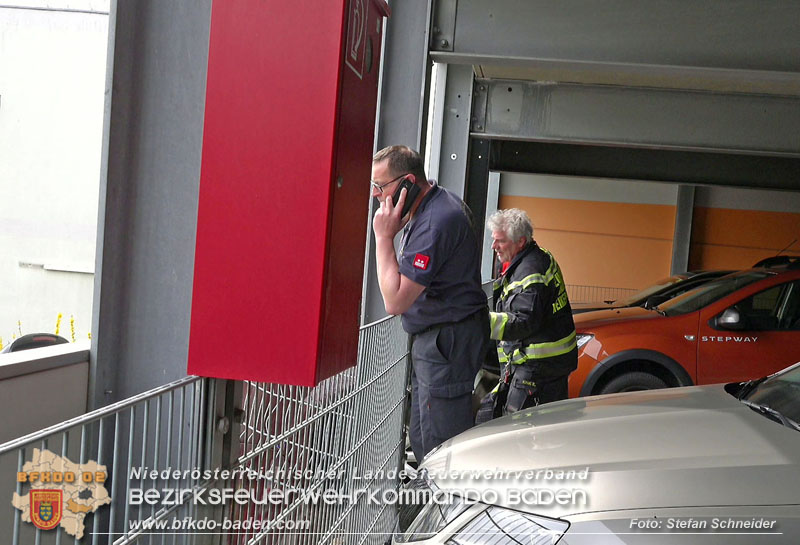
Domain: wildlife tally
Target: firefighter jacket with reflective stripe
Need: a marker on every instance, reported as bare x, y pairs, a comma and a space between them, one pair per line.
532, 318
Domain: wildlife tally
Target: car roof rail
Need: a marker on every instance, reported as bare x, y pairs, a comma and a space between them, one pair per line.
788, 261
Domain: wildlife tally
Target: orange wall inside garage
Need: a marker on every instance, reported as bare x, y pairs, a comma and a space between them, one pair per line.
724, 238
609, 244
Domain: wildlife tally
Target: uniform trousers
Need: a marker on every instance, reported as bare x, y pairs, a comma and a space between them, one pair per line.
527, 390
445, 360
520, 389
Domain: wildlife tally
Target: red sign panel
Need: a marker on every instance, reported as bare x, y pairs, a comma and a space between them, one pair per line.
284, 189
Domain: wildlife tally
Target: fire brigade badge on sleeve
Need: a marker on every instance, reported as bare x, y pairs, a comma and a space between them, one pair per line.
421, 261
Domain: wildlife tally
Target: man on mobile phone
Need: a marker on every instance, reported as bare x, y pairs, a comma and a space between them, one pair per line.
433, 282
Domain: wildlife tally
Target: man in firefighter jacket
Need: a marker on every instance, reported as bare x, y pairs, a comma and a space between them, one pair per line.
532, 322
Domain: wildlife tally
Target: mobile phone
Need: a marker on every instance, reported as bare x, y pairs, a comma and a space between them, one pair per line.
412, 192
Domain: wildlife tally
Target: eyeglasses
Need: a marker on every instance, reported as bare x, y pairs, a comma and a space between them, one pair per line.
380, 187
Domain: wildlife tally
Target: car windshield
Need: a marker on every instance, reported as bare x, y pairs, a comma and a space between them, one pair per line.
778, 397
641, 296
706, 294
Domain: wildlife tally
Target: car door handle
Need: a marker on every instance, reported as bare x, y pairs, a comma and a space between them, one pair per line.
689, 337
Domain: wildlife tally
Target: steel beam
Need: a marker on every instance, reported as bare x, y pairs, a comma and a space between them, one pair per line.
734, 45
492, 198
435, 115
639, 117
402, 109
444, 25
658, 165
455, 123
682, 235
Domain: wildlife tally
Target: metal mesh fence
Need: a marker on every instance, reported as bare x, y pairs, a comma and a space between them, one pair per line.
310, 465
327, 455
162, 428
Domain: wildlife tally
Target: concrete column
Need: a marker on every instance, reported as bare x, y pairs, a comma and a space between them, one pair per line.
155, 99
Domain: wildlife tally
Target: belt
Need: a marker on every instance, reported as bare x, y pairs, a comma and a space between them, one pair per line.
434, 327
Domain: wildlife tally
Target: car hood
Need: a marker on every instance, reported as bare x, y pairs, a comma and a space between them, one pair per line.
695, 446
592, 319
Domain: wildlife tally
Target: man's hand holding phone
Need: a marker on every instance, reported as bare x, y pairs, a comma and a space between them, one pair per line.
388, 220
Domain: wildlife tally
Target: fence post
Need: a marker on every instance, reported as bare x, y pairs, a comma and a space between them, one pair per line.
221, 448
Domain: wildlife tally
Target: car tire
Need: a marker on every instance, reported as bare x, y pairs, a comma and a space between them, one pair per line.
633, 382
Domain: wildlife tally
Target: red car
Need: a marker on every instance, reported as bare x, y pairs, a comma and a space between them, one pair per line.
741, 326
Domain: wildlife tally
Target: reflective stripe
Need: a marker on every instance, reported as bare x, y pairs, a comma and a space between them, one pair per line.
502, 356
540, 350
523, 284
544, 350
534, 278
535, 350
498, 321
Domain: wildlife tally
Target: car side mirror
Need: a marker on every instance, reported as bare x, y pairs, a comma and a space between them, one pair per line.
655, 300
730, 319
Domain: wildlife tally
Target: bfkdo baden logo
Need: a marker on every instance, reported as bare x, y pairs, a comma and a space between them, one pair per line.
46, 508
61, 492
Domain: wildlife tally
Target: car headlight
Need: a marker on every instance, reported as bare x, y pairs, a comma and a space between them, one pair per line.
500, 526
427, 510
583, 338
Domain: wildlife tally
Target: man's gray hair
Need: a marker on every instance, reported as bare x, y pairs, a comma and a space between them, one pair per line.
514, 222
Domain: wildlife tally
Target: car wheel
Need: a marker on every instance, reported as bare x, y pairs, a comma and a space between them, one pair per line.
633, 382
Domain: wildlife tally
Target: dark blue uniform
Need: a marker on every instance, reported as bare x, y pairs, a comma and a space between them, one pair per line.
449, 321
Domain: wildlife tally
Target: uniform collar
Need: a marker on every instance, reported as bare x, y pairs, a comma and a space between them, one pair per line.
435, 189
522, 253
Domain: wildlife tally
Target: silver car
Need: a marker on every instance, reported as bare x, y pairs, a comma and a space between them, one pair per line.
713, 464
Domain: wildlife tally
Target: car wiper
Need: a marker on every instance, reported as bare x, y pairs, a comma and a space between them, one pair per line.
769, 411
749, 386
661, 312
